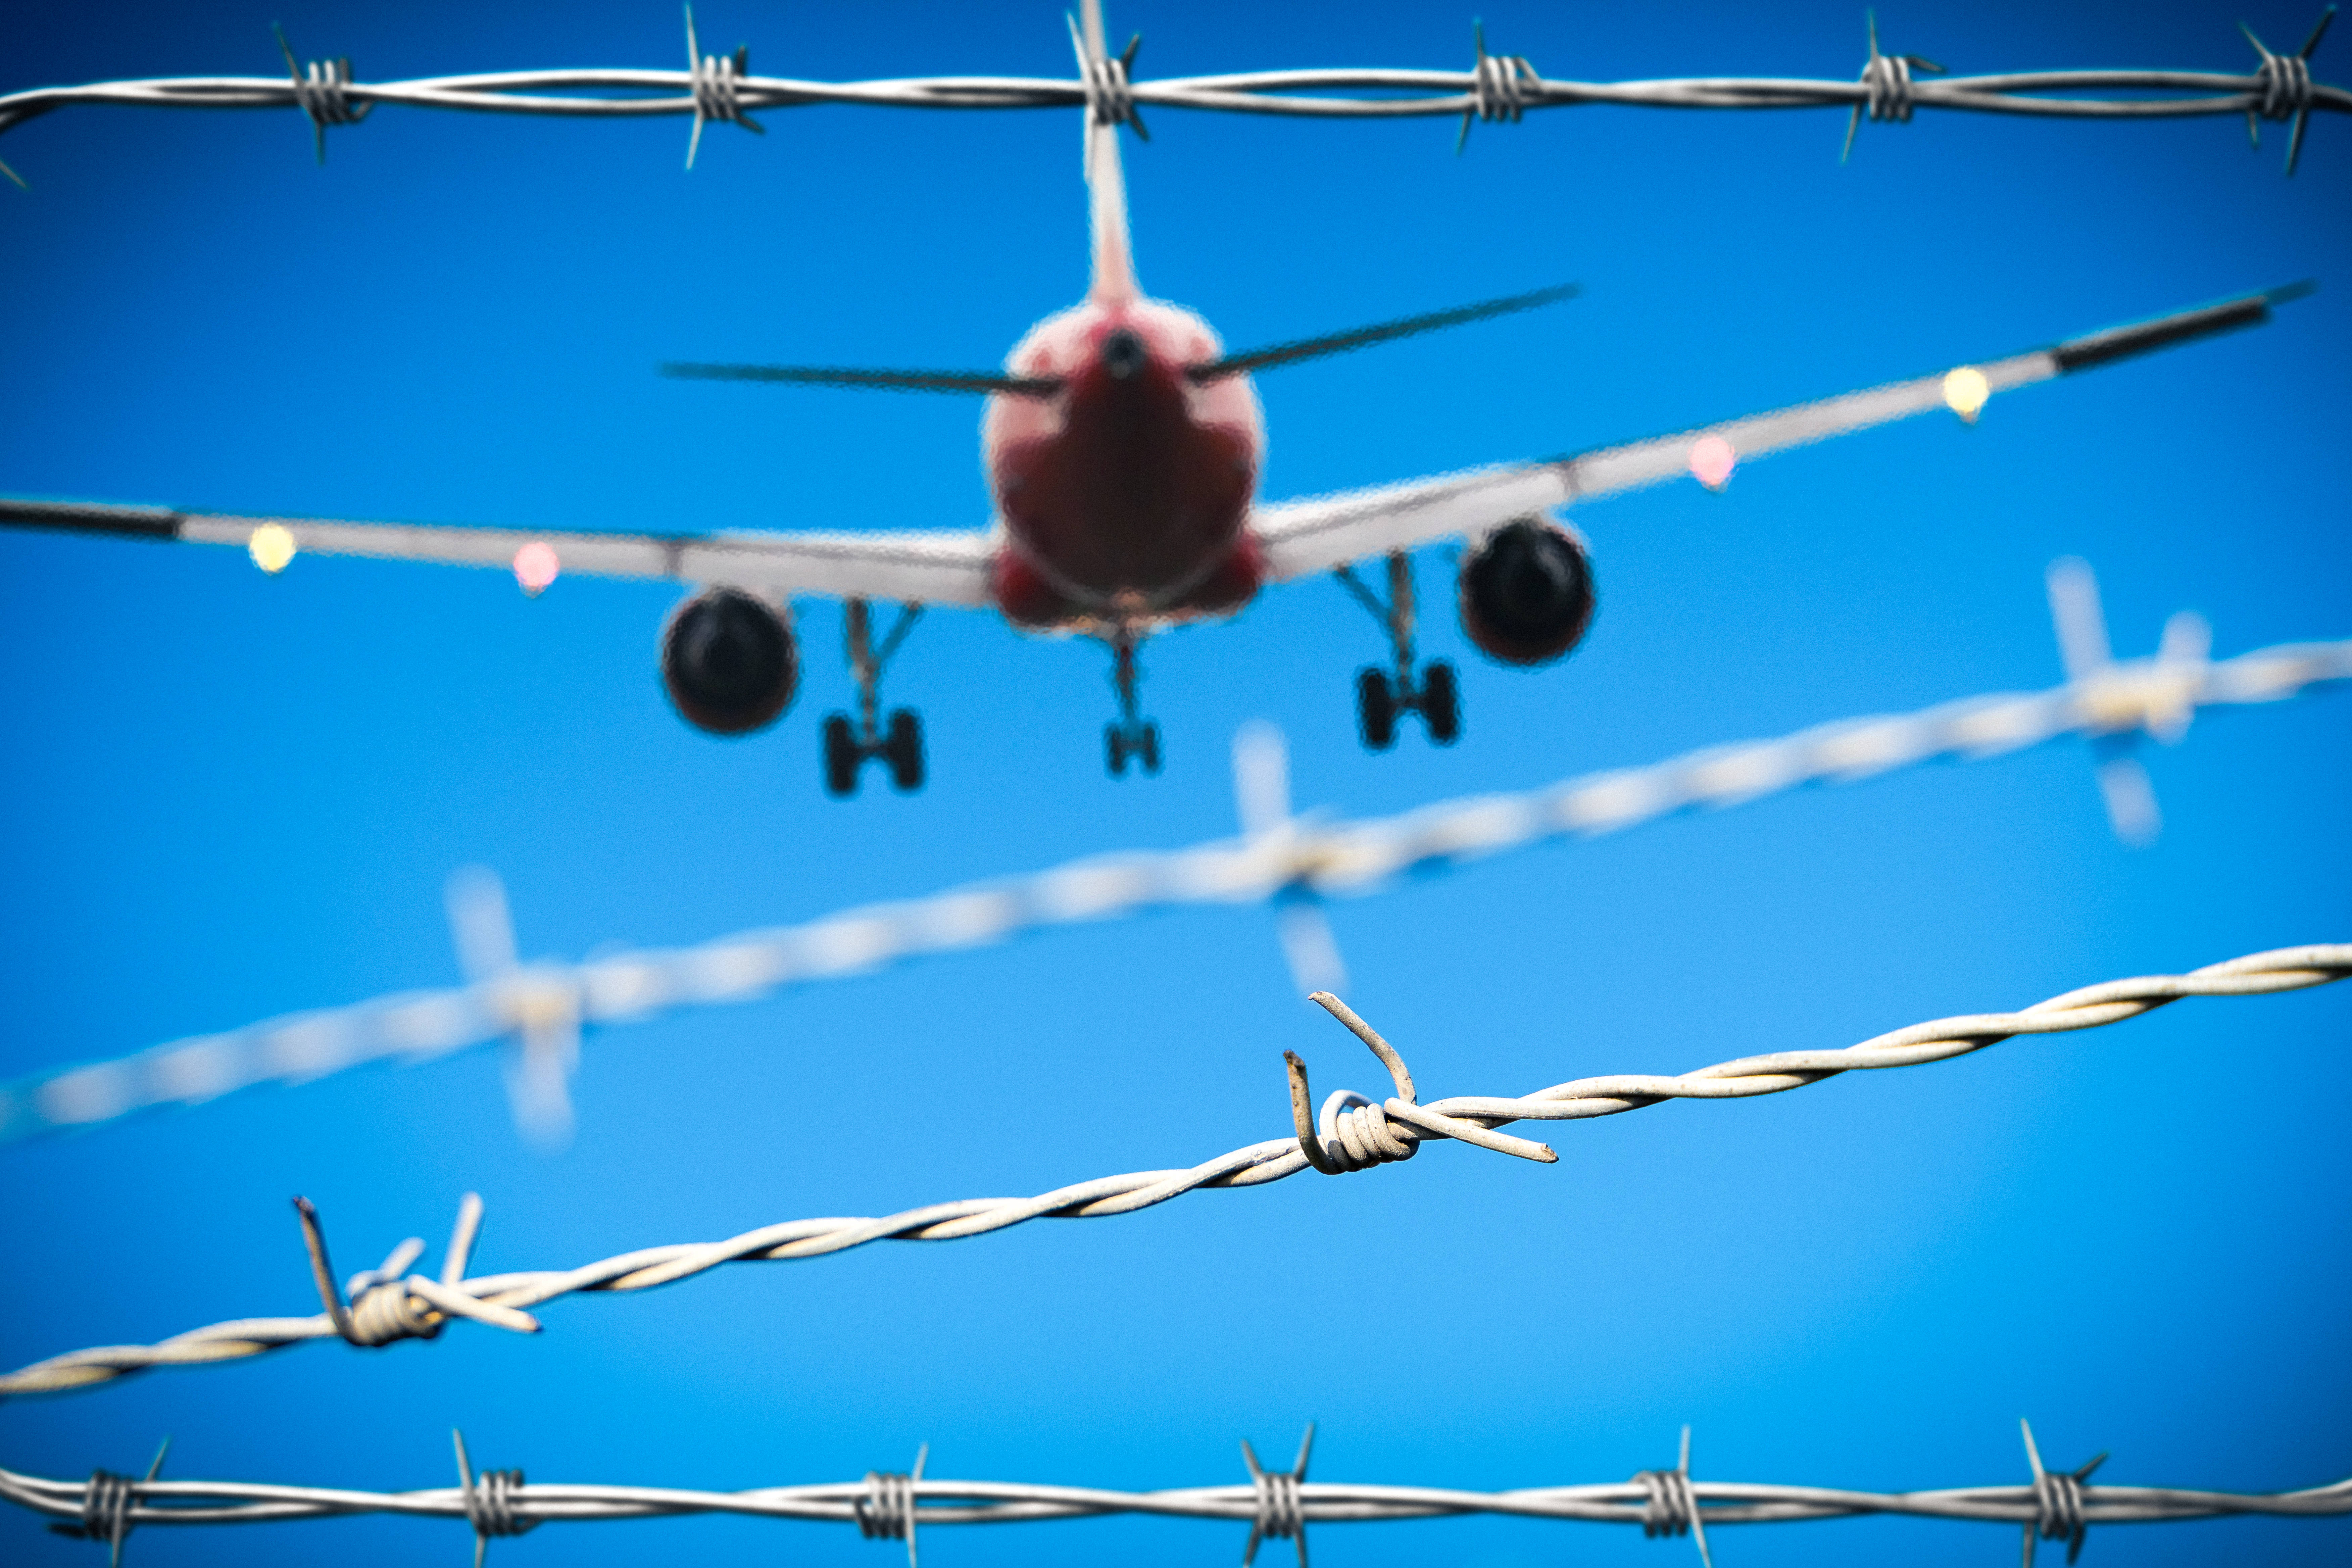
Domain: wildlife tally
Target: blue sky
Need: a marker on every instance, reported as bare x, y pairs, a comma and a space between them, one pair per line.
230, 796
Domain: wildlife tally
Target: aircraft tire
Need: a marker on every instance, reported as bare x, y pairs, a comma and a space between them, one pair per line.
1440, 704
1147, 749
1376, 710
841, 757
903, 747
1115, 750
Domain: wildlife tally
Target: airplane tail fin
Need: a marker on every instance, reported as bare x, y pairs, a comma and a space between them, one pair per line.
1106, 78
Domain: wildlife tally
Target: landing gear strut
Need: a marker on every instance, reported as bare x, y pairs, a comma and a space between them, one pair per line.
1131, 737
1380, 696
900, 744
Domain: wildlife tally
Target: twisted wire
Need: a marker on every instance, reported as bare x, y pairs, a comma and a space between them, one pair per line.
107, 1500
885, 1508
1279, 1514
500, 1298
1358, 1134
1503, 87
2285, 86
1495, 88
1276, 1505
1315, 856
490, 1504
1668, 1506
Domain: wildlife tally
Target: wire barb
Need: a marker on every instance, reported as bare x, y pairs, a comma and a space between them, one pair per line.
2282, 89
1671, 1508
1108, 82
491, 1500
716, 82
1885, 85
1278, 1513
322, 91
1352, 1133
1502, 87
106, 1501
2057, 1501
379, 1306
885, 1510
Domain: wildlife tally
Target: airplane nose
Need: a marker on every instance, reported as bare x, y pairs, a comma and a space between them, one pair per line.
1123, 354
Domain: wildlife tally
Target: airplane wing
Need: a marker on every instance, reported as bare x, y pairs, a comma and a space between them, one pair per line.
1303, 536
945, 567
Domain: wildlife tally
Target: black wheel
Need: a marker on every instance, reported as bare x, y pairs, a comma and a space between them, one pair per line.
1147, 748
1115, 750
841, 757
903, 747
1375, 709
1440, 704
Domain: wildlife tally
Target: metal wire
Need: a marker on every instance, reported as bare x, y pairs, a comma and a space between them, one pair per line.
1285, 860
388, 1303
501, 1502
1497, 89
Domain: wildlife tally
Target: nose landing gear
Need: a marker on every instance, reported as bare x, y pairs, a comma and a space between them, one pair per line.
1130, 738
900, 744
1380, 696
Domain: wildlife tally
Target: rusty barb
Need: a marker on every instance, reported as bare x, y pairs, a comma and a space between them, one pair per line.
378, 1306
1355, 1133
386, 1303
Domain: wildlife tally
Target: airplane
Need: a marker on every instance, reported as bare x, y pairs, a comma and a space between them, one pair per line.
1121, 444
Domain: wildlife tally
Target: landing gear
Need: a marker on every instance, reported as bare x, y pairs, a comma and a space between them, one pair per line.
1130, 738
1380, 695
847, 745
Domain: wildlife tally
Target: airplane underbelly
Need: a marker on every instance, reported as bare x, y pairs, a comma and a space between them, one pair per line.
1145, 523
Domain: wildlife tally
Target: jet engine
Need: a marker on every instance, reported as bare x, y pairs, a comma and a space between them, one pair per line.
1526, 593
728, 662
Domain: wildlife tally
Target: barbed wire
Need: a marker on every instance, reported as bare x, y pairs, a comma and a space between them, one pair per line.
1277, 1505
1351, 1132
1497, 89
1297, 859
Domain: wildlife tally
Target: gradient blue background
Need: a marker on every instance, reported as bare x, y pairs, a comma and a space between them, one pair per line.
227, 796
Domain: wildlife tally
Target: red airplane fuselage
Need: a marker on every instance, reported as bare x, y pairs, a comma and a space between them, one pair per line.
1123, 495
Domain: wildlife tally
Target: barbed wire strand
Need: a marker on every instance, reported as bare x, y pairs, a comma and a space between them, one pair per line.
1497, 89
1298, 858
1274, 1505
389, 1303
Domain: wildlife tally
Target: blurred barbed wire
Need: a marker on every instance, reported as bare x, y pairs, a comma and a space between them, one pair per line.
720, 87
1276, 1505
390, 1302
1293, 862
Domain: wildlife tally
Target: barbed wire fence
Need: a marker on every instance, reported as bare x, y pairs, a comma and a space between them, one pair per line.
1276, 1505
1497, 89
1351, 1132
1292, 862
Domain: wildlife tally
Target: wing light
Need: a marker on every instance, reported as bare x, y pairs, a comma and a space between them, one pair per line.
1712, 460
272, 547
535, 567
1965, 391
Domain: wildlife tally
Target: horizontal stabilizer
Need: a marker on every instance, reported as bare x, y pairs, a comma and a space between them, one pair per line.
887, 380
1364, 337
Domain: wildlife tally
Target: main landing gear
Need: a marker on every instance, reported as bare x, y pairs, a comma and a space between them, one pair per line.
1380, 696
1131, 738
900, 743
